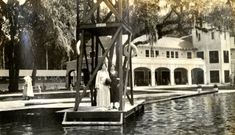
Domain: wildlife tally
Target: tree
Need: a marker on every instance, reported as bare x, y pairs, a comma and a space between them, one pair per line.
25, 24
176, 17
63, 16
34, 20
60, 19
10, 12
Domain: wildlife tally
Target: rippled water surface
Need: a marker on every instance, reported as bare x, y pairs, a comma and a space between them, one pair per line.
204, 115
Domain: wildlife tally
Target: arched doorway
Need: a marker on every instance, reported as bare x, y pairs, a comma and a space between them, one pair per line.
181, 76
71, 78
142, 76
197, 76
162, 76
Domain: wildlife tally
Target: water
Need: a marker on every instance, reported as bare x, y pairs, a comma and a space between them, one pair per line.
204, 115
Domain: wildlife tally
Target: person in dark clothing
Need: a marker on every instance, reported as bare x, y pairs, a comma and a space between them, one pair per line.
114, 90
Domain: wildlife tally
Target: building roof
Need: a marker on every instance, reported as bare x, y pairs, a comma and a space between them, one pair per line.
166, 42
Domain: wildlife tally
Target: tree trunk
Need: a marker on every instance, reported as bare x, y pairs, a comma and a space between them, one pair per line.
13, 68
13, 49
34, 73
3, 59
47, 64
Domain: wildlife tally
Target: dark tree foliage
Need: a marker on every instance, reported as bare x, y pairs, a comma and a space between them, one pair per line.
34, 28
177, 17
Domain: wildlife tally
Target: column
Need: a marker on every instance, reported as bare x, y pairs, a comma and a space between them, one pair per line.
153, 78
222, 79
205, 76
172, 76
189, 77
133, 77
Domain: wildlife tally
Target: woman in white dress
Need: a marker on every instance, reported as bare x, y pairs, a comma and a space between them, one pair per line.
28, 88
102, 84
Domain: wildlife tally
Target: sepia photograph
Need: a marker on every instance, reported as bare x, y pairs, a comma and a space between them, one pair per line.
117, 67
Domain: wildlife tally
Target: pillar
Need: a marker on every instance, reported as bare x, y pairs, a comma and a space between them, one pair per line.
133, 77
172, 76
189, 77
222, 79
153, 78
205, 76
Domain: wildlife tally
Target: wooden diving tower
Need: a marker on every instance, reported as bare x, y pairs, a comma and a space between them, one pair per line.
97, 18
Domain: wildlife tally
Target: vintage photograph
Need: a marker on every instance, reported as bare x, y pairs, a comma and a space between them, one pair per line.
117, 67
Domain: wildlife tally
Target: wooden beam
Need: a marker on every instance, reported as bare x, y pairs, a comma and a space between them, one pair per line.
110, 57
79, 69
98, 66
128, 97
118, 14
107, 17
85, 6
120, 51
92, 52
120, 8
103, 49
78, 57
127, 13
90, 3
112, 8
78, 21
96, 50
127, 70
92, 68
88, 16
131, 79
101, 45
86, 59
99, 25
98, 15
127, 28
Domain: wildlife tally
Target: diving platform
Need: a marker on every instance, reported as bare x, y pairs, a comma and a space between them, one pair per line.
92, 25
93, 115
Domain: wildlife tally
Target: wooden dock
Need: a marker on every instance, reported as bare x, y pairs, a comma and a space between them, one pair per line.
92, 115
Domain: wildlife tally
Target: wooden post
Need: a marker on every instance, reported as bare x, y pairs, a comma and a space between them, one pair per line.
79, 70
92, 90
78, 57
130, 82
86, 59
92, 52
88, 22
120, 70
99, 64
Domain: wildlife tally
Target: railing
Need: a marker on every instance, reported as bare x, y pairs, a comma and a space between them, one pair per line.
168, 60
41, 73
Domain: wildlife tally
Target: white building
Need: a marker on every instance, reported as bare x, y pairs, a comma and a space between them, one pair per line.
174, 61
214, 47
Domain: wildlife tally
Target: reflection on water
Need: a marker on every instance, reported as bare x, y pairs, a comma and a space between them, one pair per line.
209, 115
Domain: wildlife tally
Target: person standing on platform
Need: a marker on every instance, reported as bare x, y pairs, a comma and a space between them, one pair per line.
102, 85
114, 91
28, 88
